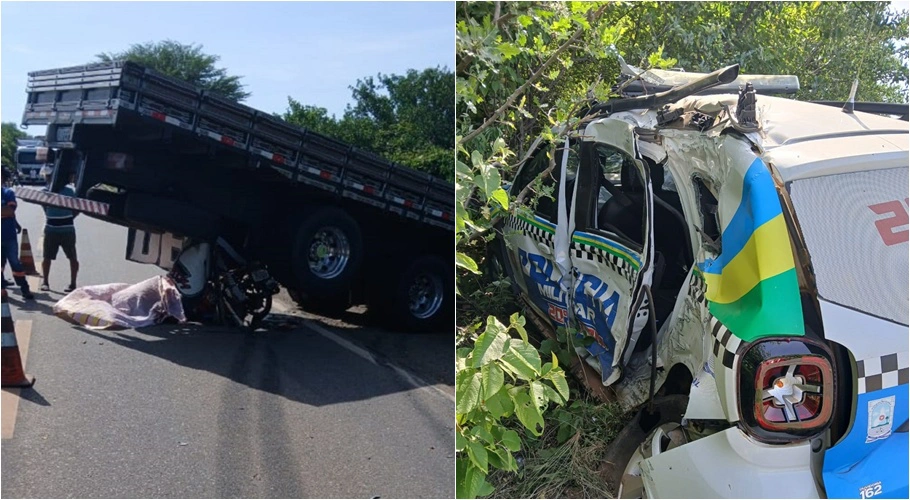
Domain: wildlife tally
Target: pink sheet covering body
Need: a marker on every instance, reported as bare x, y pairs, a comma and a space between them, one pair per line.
120, 305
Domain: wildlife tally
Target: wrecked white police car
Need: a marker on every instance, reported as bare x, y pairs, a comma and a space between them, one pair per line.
741, 265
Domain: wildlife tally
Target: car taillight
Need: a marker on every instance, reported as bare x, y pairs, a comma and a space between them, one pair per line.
787, 390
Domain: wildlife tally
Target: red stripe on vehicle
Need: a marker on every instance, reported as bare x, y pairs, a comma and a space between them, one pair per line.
159, 116
227, 140
278, 159
368, 189
325, 175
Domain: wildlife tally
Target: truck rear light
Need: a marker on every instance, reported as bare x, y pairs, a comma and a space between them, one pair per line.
787, 390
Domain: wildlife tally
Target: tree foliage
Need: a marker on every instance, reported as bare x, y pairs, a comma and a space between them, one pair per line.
184, 61
826, 44
9, 134
408, 119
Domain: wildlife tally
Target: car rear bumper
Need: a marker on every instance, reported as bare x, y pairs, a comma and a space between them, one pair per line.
730, 465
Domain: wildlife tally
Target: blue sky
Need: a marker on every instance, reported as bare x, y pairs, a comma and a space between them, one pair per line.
309, 51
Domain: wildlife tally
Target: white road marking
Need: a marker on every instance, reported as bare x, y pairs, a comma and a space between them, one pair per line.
414, 380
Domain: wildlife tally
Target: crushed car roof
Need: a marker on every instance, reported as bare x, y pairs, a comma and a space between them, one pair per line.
803, 139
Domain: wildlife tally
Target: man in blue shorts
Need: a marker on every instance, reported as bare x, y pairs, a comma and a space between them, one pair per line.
10, 239
60, 232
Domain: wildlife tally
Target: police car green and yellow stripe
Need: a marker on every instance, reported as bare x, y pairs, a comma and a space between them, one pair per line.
752, 286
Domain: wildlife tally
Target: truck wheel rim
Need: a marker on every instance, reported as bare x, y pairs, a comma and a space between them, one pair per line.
425, 295
329, 253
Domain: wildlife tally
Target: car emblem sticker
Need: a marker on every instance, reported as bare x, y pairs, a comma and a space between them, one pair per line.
881, 418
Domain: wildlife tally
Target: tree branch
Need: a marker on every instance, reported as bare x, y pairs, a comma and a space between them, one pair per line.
463, 65
533, 78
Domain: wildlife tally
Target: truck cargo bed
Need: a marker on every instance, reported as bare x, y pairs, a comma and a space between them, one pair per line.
120, 94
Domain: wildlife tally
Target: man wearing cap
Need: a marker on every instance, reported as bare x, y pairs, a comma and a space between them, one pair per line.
59, 231
10, 239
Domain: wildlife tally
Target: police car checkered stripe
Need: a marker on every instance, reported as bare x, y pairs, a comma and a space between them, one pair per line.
530, 230
592, 253
882, 372
725, 343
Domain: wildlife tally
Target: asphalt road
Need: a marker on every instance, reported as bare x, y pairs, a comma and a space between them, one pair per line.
310, 408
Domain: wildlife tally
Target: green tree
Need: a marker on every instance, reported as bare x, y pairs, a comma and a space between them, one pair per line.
408, 119
414, 117
184, 61
825, 44
312, 117
9, 134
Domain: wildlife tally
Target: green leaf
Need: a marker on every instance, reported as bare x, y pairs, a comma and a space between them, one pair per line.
528, 413
499, 146
491, 344
496, 459
522, 359
476, 158
485, 488
463, 469
500, 404
511, 440
564, 433
460, 442
549, 346
465, 262
467, 391
538, 394
478, 455
461, 358
489, 179
508, 51
517, 322
525, 21
480, 432
559, 382
552, 395
463, 170
501, 197
493, 378
469, 480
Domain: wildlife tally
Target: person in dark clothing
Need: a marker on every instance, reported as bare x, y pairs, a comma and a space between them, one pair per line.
10, 239
60, 232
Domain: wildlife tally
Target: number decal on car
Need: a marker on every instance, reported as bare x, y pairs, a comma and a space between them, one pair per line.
871, 490
899, 218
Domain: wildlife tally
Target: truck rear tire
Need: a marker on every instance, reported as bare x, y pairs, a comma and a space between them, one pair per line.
327, 253
423, 297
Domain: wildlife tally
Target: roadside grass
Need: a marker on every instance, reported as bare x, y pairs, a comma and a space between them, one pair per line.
564, 461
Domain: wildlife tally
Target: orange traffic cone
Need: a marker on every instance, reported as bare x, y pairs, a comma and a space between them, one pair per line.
13, 373
25, 255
